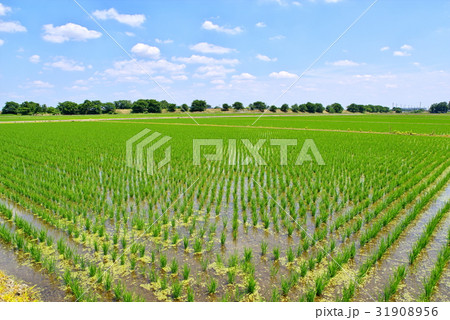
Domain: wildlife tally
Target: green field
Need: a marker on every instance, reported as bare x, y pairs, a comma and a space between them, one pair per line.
371, 223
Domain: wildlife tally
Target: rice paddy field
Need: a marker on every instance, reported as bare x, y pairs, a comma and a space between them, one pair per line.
370, 224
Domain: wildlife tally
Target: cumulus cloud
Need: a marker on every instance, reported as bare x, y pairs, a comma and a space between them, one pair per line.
34, 58
133, 20
208, 71
283, 75
196, 59
163, 41
385, 48
11, 26
143, 67
205, 47
345, 63
406, 47
278, 37
4, 9
208, 25
1, 42
243, 76
261, 24
68, 32
265, 58
41, 84
146, 51
65, 64
180, 77
401, 54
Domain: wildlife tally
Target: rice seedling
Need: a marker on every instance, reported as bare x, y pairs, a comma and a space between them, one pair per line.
108, 282
185, 242
248, 254
394, 281
204, 264
251, 285
275, 295
285, 286
231, 275
186, 271
198, 246
176, 289
263, 248
190, 294
162, 260
174, 266
290, 255
276, 253
212, 286
223, 238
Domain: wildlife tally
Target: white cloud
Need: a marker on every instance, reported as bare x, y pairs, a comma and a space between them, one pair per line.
133, 20
332, 1
406, 47
146, 51
296, 3
11, 26
208, 71
68, 32
278, 37
34, 59
65, 64
1, 42
401, 54
265, 58
205, 47
163, 41
282, 75
180, 77
385, 48
243, 76
217, 81
130, 34
345, 63
4, 9
261, 25
143, 67
208, 25
196, 59
41, 84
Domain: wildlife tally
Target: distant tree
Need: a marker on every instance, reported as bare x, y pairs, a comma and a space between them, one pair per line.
164, 104
295, 108
154, 106
198, 105
90, 107
238, 106
108, 107
259, 105
284, 107
397, 110
355, 108
310, 107
68, 107
51, 110
10, 107
225, 107
319, 108
172, 107
303, 107
334, 108
123, 104
273, 109
140, 106
184, 107
28, 107
441, 107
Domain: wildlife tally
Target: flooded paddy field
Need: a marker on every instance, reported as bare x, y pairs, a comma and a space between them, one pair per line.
348, 217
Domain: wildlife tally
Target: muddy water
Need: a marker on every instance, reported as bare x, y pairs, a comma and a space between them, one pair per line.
397, 254
17, 264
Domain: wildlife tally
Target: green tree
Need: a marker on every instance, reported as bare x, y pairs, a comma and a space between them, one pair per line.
284, 107
123, 104
108, 107
295, 108
10, 107
273, 109
28, 107
163, 104
397, 110
172, 107
184, 107
259, 105
154, 106
302, 107
238, 106
225, 107
310, 107
319, 108
68, 107
334, 108
198, 106
441, 107
140, 106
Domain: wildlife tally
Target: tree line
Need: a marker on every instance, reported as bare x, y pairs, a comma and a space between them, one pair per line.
155, 106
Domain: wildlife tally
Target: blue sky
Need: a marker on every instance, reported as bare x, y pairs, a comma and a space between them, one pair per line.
225, 51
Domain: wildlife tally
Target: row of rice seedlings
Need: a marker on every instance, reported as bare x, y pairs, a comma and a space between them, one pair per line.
394, 281
385, 243
439, 267
427, 233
